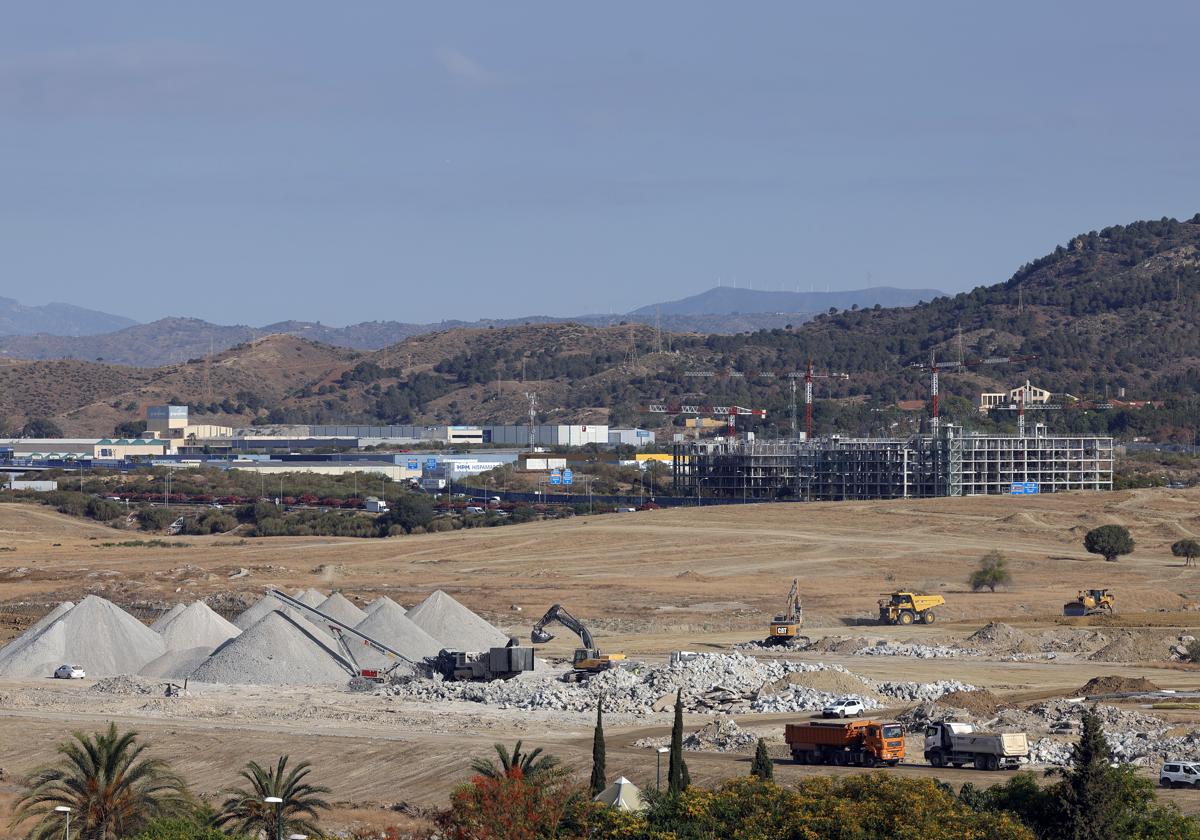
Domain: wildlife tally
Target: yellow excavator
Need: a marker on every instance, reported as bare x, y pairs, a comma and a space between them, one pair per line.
586, 660
1090, 602
786, 626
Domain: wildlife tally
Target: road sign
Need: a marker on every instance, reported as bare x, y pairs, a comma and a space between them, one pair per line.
1017, 488
1024, 488
568, 477
556, 477
1031, 487
414, 464
431, 463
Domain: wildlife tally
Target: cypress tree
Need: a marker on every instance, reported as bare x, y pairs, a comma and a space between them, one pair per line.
762, 767
598, 769
676, 769
1090, 796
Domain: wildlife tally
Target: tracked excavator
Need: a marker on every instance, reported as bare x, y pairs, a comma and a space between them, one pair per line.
1090, 602
786, 626
586, 660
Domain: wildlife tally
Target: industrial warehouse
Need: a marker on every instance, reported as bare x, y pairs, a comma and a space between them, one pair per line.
949, 463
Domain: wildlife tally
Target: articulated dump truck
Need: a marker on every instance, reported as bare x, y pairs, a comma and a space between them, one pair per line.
862, 743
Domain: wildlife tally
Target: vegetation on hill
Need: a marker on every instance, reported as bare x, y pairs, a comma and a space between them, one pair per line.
1108, 310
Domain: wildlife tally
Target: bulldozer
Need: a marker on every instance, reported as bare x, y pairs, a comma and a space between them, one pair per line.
908, 607
1090, 602
786, 626
586, 660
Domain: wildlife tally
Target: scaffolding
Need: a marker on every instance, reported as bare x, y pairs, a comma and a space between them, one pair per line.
950, 463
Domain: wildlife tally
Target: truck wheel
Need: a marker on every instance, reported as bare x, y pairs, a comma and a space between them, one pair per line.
868, 760
906, 618
800, 757
980, 762
993, 762
937, 759
928, 617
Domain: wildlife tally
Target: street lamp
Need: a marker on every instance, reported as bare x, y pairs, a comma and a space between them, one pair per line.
278, 803
66, 811
658, 775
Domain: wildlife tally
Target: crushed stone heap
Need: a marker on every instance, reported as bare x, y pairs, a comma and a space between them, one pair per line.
454, 625
196, 625
165, 619
95, 634
390, 625
339, 607
383, 601
281, 649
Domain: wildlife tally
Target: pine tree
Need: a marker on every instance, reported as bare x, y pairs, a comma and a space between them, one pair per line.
676, 770
598, 769
762, 767
1091, 794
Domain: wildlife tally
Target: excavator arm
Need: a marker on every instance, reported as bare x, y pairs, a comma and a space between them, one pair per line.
557, 613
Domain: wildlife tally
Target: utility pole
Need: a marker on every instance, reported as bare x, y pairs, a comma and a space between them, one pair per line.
532, 397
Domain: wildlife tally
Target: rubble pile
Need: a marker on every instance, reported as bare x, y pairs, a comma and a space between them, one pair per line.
721, 735
708, 684
914, 651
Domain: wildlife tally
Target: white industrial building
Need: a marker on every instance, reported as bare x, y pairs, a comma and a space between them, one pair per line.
630, 437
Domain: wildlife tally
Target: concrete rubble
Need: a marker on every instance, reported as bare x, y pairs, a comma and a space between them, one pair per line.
708, 683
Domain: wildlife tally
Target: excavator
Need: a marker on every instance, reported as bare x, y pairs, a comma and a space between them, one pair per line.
786, 626
1090, 602
586, 660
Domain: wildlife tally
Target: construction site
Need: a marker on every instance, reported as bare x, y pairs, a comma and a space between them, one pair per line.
950, 462
418, 653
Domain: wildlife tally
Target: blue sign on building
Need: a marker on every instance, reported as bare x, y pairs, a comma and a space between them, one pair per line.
1017, 488
568, 477
556, 477
1031, 487
414, 464
431, 463
1024, 488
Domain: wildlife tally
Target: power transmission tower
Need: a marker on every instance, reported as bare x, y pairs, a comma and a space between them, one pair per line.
658, 329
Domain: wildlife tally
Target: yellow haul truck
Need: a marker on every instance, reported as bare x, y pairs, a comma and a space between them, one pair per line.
908, 607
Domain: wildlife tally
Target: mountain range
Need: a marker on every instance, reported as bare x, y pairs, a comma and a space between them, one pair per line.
1107, 310
82, 334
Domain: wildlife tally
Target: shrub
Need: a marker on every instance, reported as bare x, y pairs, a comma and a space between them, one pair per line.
992, 572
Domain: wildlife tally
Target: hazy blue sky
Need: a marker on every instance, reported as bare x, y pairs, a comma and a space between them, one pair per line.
250, 162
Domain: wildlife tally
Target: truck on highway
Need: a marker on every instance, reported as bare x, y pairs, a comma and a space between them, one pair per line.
863, 743
955, 743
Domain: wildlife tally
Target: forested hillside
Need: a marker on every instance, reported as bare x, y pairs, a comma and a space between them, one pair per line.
1107, 310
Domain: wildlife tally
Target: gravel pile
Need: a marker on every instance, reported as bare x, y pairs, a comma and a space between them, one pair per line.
95, 634
389, 624
280, 649
1000, 637
265, 606
176, 664
124, 685
166, 618
915, 692
455, 626
195, 626
311, 597
337, 606
1129, 646
383, 601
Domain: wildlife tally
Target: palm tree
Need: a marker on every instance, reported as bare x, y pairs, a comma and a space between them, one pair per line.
527, 765
109, 787
249, 814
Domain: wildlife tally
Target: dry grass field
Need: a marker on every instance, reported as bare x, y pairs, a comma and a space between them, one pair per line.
648, 583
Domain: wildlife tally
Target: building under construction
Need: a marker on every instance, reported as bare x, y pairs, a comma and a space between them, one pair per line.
950, 463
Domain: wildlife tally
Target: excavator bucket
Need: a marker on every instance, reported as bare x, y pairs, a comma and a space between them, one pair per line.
540, 636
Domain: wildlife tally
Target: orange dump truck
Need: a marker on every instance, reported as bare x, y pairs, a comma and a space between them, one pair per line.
865, 743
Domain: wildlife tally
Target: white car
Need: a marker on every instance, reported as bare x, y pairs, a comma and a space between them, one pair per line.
69, 672
844, 707
1179, 774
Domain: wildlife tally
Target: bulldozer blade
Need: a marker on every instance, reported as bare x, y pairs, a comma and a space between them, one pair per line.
1074, 609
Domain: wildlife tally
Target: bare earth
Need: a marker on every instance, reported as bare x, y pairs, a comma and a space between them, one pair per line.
648, 583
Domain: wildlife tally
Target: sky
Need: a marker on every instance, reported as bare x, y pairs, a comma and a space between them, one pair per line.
255, 162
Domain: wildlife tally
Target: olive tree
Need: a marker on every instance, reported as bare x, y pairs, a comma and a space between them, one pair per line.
1109, 541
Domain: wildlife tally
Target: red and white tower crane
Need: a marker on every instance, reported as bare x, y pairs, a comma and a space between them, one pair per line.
807, 375
934, 367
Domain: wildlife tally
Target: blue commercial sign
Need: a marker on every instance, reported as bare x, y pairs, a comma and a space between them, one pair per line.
1024, 488
556, 477
568, 477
